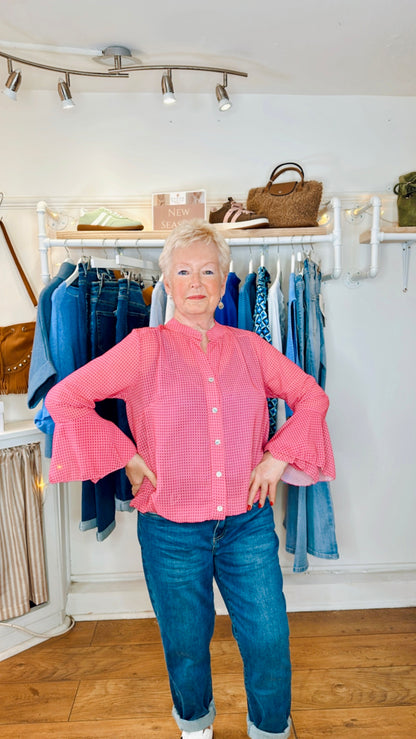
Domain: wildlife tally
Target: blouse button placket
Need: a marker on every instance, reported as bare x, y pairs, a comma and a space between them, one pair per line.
215, 430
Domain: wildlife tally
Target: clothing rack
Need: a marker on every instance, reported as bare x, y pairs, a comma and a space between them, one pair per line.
377, 235
121, 240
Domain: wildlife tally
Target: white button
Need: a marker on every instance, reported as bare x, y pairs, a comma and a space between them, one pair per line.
217, 441
218, 474
210, 379
219, 508
215, 410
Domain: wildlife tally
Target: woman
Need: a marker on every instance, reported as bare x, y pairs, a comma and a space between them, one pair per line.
204, 476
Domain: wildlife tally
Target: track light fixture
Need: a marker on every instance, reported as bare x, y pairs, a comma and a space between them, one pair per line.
167, 88
123, 65
13, 81
65, 93
224, 102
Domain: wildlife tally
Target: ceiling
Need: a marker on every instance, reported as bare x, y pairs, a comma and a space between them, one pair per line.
296, 47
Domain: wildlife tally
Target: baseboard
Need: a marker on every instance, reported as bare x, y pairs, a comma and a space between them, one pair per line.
41, 623
311, 591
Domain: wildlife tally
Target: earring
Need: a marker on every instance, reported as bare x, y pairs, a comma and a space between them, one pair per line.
220, 305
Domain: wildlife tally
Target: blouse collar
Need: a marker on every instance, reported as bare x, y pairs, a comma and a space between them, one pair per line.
213, 334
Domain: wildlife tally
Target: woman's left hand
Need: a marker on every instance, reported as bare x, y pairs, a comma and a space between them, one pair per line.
264, 478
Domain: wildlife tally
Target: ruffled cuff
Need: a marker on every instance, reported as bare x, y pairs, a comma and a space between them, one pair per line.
88, 450
304, 442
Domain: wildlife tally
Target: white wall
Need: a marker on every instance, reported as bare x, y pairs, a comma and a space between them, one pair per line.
121, 148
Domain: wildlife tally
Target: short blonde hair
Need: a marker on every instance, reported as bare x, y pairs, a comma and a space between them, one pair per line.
195, 230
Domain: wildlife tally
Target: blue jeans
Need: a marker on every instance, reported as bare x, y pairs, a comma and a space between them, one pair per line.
115, 308
98, 499
132, 312
180, 561
310, 522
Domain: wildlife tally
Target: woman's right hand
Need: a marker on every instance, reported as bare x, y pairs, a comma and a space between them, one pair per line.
136, 471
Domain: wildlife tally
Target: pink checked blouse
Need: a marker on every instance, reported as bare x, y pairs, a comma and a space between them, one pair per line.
199, 420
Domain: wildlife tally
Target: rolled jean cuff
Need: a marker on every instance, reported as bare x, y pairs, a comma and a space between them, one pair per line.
255, 733
200, 723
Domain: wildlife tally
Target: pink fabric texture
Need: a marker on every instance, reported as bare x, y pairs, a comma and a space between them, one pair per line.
199, 420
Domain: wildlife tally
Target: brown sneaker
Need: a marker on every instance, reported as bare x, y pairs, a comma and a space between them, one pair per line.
233, 215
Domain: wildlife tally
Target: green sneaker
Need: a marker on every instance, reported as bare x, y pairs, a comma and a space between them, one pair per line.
103, 219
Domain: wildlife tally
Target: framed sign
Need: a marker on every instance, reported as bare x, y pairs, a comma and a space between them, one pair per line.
171, 208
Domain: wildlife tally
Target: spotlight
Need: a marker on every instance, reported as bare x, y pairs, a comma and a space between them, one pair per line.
167, 88
65, 93
13, 81
224, 102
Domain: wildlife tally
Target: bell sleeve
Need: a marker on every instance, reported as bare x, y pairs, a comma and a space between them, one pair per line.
85, 445
304, 439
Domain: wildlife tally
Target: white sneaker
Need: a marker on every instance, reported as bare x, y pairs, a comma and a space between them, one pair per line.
202, 734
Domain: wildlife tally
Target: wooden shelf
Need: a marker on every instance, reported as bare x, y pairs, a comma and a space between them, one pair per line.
228, 233
365, 237
239, 237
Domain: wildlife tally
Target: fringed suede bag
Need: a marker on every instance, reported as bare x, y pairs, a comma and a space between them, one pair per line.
287, 204
16, 341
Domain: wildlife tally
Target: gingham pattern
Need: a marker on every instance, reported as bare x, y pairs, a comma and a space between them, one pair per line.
199, 420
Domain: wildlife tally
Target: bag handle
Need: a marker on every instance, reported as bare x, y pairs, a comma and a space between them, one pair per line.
406, 189
30, 292
287, 167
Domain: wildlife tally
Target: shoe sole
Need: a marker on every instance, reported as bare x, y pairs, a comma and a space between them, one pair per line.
87, 227
255, 223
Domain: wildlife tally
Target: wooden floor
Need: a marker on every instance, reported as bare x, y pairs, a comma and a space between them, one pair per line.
354, 676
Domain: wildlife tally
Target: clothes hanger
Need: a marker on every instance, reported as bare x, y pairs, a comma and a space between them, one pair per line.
74, 275
250, 263
299, 263
278, 266
123, 261
103, 263
68, 259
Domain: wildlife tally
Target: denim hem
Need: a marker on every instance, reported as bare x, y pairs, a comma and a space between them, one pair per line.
314, 553
124, 505
255, 733
323, 555
101, 535
198, 724
87, 525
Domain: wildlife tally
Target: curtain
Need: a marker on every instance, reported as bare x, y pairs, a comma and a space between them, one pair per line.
22, 561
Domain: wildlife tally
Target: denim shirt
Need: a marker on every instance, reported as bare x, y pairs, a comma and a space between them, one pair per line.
42, 372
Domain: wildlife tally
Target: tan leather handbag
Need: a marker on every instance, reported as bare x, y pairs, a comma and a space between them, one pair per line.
287, 204
16, 341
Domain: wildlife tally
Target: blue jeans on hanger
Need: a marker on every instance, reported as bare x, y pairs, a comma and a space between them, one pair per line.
98, 499
116, 307
132, 312
310, 523
180, 561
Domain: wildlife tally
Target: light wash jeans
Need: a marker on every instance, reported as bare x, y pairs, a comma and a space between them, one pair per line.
180, 561
310, 523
